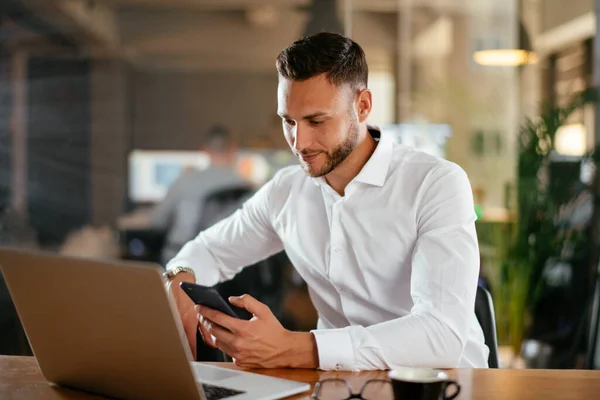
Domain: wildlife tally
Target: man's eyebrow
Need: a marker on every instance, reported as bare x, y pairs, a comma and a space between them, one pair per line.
309, 116
315, 115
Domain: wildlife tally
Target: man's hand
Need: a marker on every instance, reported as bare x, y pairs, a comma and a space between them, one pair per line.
261, 342
185, 306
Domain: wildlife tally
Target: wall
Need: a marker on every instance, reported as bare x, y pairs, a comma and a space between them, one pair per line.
173, 110
558, 12
6, 102
110, 139
58, 145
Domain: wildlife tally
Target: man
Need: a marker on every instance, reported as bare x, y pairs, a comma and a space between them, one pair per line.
383, 235
180, 212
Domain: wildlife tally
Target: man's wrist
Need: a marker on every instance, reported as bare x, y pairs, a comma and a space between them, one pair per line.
172, 273
303, 351
184, 277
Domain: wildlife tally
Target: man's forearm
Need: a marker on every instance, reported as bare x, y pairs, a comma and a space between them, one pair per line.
302, 351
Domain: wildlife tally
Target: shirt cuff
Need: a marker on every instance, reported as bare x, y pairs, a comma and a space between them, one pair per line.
335, 349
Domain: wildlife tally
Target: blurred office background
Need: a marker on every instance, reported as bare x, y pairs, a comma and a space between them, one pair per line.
104, 103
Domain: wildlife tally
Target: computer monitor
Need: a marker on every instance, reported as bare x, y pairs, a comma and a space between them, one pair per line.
152, 172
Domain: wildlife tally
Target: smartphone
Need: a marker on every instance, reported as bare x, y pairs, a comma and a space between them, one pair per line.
208, 297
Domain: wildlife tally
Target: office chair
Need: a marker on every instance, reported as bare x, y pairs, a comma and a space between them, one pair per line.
221, 204
484, 310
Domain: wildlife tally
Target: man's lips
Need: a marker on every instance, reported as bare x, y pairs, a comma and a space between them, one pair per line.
309, 157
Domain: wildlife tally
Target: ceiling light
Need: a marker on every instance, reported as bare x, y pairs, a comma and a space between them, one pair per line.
508, 57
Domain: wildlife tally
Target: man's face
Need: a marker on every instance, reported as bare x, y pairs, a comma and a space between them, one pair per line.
319, 122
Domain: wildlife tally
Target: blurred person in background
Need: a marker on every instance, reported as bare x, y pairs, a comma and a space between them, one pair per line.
383, 234
181, 211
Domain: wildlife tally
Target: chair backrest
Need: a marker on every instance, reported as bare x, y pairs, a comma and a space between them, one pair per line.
221, 204
484, 310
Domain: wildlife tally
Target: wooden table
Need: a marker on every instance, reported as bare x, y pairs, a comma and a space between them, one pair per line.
20, 379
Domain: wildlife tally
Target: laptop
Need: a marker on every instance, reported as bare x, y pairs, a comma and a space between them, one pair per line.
110, 328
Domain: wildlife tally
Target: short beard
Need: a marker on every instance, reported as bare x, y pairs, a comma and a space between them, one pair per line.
339, 154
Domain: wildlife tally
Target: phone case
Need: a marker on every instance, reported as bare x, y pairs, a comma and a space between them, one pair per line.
208, 297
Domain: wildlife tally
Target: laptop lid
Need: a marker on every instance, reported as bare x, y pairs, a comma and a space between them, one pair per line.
101, 326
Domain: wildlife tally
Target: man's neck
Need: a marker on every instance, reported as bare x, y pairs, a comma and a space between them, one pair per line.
340, 177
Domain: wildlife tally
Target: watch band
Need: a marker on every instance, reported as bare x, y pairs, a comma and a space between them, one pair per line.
171, 273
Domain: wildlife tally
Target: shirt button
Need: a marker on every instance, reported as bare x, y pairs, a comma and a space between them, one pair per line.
337, 250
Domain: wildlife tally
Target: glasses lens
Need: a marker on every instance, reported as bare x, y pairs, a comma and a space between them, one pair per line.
333, 390
377, 390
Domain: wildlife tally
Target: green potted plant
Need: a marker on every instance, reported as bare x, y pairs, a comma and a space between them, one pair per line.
523, 247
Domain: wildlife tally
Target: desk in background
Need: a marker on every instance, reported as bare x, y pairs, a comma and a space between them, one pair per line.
20, 379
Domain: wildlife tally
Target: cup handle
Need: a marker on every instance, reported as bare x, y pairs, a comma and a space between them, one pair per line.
448, 384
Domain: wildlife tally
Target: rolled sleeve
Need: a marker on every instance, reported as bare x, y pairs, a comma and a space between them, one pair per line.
335, 349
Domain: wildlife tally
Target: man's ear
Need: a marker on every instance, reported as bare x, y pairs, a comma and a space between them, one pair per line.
364, 104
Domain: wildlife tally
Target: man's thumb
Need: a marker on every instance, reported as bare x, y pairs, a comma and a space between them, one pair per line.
248, 302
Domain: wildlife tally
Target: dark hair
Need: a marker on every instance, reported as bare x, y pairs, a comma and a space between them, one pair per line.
218, 138
341, 58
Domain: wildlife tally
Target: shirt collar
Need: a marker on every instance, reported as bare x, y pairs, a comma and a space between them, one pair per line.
374, 172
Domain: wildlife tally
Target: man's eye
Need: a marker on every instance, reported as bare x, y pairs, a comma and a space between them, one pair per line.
316, 122
289, 122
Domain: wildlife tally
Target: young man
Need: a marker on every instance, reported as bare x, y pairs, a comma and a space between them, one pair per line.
383, 235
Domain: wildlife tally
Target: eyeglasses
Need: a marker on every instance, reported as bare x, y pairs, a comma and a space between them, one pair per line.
339, 389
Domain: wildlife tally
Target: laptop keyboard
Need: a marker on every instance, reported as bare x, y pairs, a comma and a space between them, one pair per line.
217, 392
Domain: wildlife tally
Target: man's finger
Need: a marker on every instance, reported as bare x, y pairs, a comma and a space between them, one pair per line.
222, 338
226, 349
206, 336
219, 318
248, 302
222, 335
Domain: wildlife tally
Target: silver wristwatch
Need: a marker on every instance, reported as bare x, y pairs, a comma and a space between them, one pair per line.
171, 273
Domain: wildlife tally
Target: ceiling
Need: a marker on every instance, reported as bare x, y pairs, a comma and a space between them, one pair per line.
462, 6
228, 34
205, 5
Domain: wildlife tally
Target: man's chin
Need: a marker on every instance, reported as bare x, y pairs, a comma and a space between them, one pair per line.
313, 172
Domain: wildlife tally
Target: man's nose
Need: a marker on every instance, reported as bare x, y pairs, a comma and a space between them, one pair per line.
302, 138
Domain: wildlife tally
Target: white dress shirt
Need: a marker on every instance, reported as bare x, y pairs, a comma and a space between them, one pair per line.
391, 267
